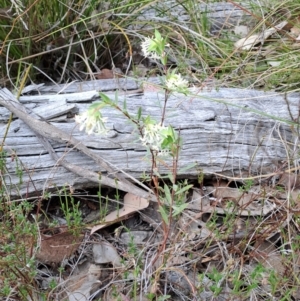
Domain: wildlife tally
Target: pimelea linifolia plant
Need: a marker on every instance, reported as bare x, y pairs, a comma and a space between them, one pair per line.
161, 140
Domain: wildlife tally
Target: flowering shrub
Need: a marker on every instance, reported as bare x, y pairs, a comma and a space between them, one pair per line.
159, 139
92, 122
176, 83
153, 136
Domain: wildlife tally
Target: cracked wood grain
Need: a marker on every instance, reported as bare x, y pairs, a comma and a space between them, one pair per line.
45, 131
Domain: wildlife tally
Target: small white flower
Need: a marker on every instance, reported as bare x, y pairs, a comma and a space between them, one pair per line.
92, 122
175, 82
146, 49
153, 137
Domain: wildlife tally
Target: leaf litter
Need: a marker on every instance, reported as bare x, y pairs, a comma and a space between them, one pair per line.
227, 234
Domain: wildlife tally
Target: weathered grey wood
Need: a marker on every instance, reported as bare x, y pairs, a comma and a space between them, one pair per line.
87, 86
57, 98
219, 15
52, 110
223, 131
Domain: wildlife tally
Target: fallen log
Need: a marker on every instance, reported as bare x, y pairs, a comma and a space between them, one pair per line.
234, 132
218, 15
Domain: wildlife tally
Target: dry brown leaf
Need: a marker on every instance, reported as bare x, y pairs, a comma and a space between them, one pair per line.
289, 180
249, 42
295, 27
132, 203
249, 201
199, 200
135, 236
265, 252
105, 74
81, 290
221, 193
191, 224
104, 252
55, 248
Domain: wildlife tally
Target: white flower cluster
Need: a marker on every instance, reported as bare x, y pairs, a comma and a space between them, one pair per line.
153, 136
146, 49
176, 83
93, 123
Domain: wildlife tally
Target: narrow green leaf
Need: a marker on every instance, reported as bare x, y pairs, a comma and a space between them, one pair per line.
139, 113
178, 209
164, 214
105, 98
184, 189
97, 105
157, 35
156, 173
168, 196
170, 176
125, 106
